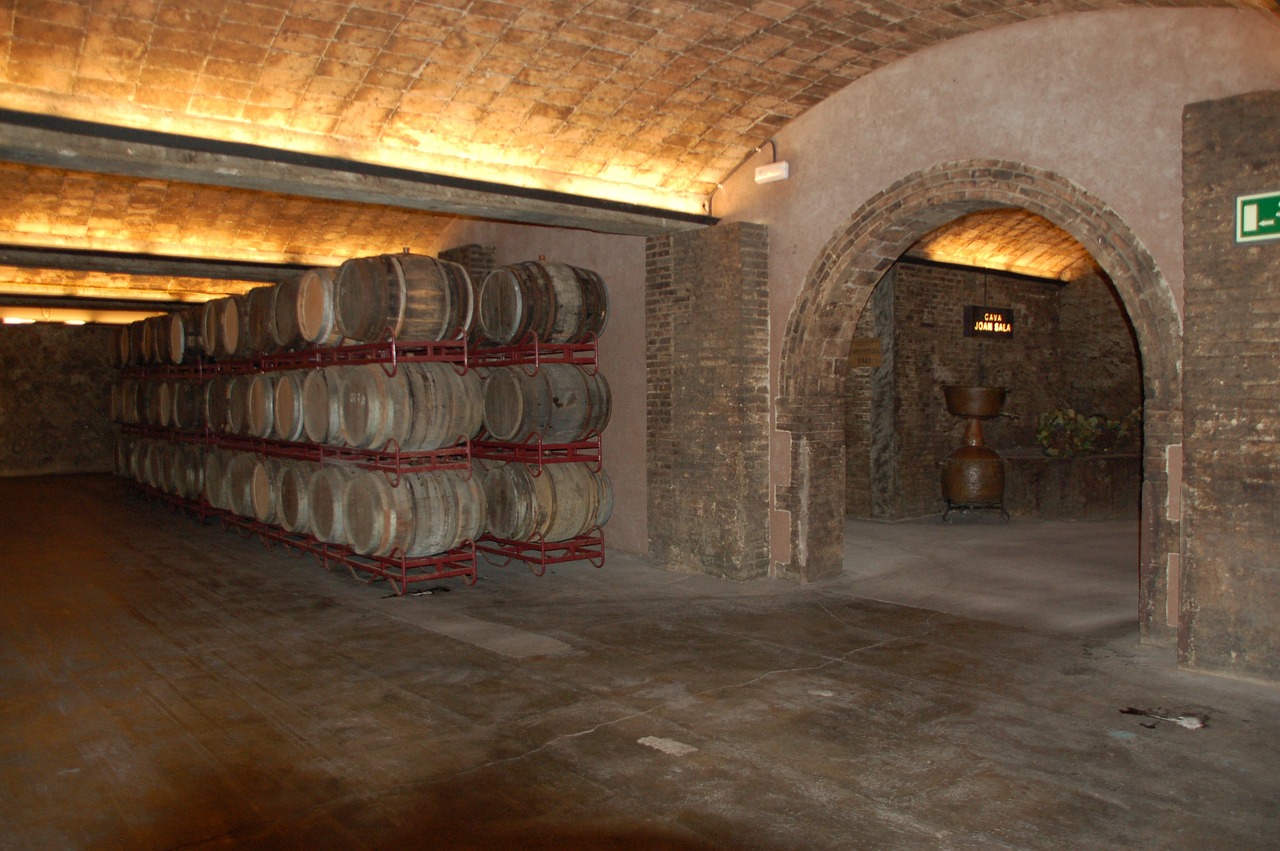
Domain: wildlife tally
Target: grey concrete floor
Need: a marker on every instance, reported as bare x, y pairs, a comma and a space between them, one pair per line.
170, 685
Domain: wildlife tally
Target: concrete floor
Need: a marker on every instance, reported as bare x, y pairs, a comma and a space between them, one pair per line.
168, 685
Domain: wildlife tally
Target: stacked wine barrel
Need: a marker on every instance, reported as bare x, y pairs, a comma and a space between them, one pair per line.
198, 387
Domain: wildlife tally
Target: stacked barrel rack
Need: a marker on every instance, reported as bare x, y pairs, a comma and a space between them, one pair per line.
390, 416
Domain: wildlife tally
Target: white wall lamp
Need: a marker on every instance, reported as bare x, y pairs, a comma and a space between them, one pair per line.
771, 172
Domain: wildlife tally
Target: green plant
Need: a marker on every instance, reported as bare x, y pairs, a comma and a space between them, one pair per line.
1064, 432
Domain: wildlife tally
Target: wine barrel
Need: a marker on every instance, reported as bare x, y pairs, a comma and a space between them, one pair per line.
215, 478
264, 489
325, 505
153, 338
215, 403
564, 501
321, 411
238, 403
261, 315
210, 345
188, 470
137, 349
149, 402
239, 478
554, 302
426, 514
422, 406
233, 326
561, 402
164, 404
287, 405
120, 455
188, 405
285, 333
412, 296
317, 320
118, 353
183, 340
293, 509
260, 400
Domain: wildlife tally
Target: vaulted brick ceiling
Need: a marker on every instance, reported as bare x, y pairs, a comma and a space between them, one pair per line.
649, 103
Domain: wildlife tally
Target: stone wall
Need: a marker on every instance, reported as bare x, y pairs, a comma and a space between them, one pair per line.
55, 393
1230, 607
707, 355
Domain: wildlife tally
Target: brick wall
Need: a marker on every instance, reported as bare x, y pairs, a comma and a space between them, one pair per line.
1230, 612
706, 306
55, 393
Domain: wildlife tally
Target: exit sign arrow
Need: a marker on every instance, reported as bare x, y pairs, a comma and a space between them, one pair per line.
1258, 217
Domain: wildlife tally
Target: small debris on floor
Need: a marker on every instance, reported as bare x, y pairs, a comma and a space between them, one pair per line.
669, 746
1186, 720
423, 592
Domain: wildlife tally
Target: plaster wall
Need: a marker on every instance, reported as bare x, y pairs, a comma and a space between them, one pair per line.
621, 261
1095, 97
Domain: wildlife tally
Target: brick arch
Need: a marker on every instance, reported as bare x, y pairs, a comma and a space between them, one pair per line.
822, 322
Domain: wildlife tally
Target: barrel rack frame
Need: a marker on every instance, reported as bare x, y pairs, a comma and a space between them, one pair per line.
400, 572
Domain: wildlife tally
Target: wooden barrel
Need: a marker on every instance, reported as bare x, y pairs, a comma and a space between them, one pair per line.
422, 406
261, 316
233, 326
215, 478
149, 402
264, 489
321, 411
260, 399
561, 402
239, 478
317, 319
188, 470
210, 345
136, 344
564, 501
164, 404
215, 403
412, 296
285, 332
426, 514
325, 502
238, 403
293, 509
188, 405
555, 302
152, 340
287, 405
183, 342
118, 352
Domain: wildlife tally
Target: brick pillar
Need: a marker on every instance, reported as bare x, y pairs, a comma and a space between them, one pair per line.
478, 260
707, 356
1230, 614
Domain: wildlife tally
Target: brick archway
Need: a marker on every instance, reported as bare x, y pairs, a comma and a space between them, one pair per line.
820, 328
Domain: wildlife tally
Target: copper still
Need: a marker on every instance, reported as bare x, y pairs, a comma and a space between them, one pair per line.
973, 474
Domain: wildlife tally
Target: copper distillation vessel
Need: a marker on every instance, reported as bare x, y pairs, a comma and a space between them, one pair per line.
973, 474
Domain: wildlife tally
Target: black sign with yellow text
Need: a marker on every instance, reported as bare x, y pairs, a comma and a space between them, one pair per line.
981, 321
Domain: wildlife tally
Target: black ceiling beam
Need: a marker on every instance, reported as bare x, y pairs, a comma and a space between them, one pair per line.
127, 263
91, 303
57, 142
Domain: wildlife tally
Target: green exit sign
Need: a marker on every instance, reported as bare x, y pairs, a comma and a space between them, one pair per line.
1258, 217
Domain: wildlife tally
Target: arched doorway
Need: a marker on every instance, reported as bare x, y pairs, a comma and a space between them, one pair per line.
838, 286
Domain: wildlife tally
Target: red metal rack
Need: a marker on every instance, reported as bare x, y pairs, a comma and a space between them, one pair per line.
391, 460
531, 352
396, 569
538, 554
535, 453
